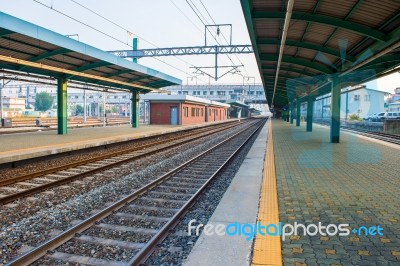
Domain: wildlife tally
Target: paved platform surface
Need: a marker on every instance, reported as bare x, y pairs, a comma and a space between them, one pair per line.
29, 145
356, 182
239, 204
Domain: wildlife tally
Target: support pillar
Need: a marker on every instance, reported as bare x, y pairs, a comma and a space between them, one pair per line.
298, 104
135, 109
335, 110
310, 111
62, 106
84, 106
291, 113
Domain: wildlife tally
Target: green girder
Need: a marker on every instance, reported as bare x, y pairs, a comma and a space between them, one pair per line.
92, 66
298, 61
310, 46
293, 70
336, 22
49, 54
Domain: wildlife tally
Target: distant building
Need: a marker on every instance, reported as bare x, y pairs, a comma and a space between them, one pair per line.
250, 94
394, 101
361, 101
13, 106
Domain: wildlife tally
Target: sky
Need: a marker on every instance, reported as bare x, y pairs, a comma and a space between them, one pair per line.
157, 23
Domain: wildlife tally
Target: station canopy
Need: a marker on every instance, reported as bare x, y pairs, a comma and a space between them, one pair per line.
26, 47
302, 44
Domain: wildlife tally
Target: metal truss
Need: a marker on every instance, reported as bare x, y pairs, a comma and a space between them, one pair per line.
195, 50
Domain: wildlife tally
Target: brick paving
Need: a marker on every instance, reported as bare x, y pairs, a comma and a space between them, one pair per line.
355, 182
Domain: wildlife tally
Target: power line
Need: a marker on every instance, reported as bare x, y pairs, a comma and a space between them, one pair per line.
83, 23
183, 13
212, 19
237, 57
128, 31
108, 35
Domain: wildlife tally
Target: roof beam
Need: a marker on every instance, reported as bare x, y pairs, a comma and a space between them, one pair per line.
92, 66
335, 22
137, 78
49, 54
308, 25
293, 70
298, 61
71, 73
283, 40
117, 73
5, 32
310, 46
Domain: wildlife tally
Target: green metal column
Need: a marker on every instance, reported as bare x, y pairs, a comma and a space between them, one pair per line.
135, 109
291, 112
287, 116
135, 45
310, 110
335, 110
298, 112
62, 106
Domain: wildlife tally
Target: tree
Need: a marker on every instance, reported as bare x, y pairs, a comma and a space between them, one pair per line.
43, 101
79, 109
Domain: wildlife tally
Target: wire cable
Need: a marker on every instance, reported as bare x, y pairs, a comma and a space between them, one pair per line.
108, 35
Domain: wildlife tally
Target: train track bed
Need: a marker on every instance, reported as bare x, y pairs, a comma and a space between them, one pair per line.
375, 135
176, 247
22, 186
86, 154
392, 138
53, 211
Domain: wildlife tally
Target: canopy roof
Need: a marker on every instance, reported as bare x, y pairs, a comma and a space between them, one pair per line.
30, 48
354, 39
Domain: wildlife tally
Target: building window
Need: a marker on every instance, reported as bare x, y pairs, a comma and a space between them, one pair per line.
221, 93
204, 92
202, 112
211, 93
356, 97
185, 93
367, 98
186, 111
193, 111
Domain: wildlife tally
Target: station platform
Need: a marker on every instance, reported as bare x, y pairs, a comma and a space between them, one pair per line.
299, 176
21, 146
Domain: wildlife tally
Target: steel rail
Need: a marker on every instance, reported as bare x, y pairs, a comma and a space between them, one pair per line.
150, 246
41, 250
13, 180
12, 197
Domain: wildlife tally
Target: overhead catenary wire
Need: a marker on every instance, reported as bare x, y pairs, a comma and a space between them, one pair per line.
128, 31
108, 35
183, 13
237, 57
205, 23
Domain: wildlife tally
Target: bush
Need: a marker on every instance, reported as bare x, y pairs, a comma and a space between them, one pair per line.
354, 117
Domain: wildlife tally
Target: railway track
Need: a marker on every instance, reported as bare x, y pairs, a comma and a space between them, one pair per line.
376, 135
128, 230
24, 185
372, 134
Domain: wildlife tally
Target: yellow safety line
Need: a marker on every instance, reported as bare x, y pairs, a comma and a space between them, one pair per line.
267, 249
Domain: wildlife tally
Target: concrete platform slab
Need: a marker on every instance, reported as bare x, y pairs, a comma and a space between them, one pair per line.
354, 182
239, 204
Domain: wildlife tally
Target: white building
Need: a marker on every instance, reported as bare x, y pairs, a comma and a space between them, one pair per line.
361, 101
